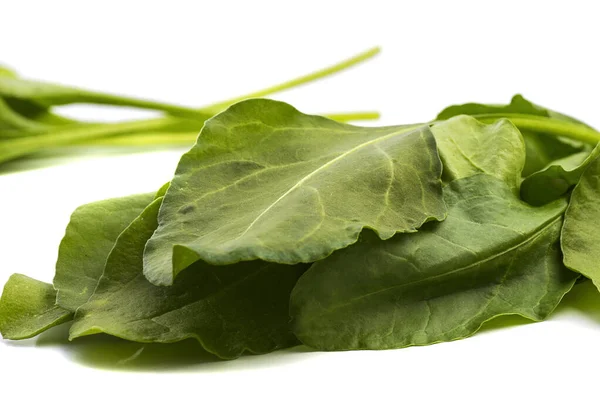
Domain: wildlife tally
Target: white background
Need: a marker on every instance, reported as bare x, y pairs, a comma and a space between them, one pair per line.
434, 54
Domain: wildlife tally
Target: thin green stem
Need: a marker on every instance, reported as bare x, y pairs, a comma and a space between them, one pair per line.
75, 95
14, 148
350, 117
35, 139
184, 138
175, 110
319, 74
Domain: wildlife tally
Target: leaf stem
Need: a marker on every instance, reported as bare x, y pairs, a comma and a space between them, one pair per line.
175, 110
14, 148
316, 75
52, 137
541, 124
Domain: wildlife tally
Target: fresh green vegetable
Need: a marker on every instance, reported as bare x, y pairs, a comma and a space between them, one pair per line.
280, 228
89, 238
441, 283
557, 178
580, 237
27, 308
234, 192
468, 147
534, 122
229, 310
28, 123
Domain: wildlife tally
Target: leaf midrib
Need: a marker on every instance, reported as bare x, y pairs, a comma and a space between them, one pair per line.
323, 167
534, 236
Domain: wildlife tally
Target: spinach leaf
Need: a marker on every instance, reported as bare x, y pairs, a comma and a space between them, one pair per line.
468, 147
557, 178
265, 181
518, 105
27, 308
441, 283
88, 239
541, 148
229, 310
579, 239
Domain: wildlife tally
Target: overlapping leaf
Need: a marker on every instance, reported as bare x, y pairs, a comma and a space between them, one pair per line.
468, 147
229, 310
542, 149
557, 178
88, 239
265, 181
580, 239
442, 283
28, 307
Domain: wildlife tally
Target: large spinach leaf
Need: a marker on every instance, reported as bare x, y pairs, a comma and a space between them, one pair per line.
88, 239
441, 283
27, 308
229, 310
265, 181
580, 239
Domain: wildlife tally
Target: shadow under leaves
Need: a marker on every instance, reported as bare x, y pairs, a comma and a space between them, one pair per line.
111, 353
107, 352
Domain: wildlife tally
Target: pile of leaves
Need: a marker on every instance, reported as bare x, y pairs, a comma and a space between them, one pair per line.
281, 228
30, 125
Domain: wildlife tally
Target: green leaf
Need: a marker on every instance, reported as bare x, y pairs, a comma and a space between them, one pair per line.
27, 308
162, 190
580, 237
517, 104
468, 147
89, 237
229, 310
557, 178
265, 181
441, 283
541, 148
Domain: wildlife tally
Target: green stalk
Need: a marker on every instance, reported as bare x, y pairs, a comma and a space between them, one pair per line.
18, 147
183, 138
319, 74
68, 95
14, 119
109, 99
92, 133
546, 125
